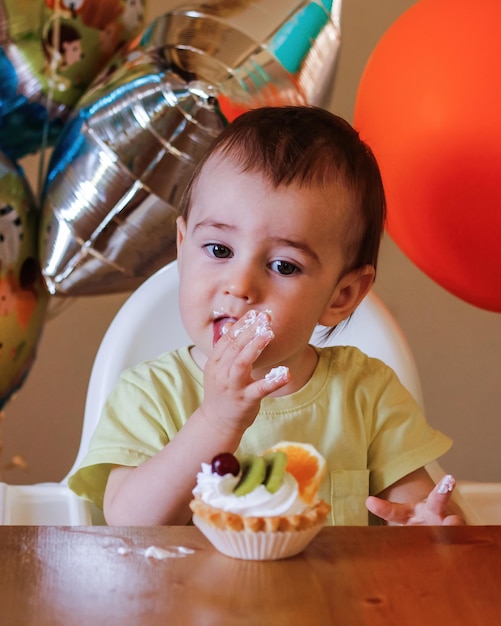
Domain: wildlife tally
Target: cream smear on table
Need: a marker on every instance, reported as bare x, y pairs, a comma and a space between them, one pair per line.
154, 552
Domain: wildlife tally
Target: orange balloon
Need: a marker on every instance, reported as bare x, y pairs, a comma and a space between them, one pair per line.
429, 105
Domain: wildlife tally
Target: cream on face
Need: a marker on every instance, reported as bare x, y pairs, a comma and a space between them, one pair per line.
259, 322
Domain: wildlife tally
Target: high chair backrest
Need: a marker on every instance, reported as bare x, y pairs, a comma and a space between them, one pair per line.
148, 324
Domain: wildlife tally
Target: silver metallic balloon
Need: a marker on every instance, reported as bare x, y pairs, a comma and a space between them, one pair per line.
118, 172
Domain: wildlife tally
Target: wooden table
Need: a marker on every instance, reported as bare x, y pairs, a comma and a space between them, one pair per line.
93, 576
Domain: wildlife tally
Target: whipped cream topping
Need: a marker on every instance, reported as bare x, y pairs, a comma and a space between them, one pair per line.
217, 491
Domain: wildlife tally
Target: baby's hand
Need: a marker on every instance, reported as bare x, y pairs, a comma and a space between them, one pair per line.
231, 395
435, 510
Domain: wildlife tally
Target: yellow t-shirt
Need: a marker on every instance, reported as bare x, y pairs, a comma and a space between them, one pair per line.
354, 410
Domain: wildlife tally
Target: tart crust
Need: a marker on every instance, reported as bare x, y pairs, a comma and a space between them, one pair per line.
315, 515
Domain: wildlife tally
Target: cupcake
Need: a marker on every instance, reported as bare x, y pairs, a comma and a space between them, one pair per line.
261, 507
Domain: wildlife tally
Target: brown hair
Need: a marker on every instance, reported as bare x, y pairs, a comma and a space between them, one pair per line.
309, 146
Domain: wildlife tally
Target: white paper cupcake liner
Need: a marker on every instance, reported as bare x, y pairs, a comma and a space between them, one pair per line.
260, 546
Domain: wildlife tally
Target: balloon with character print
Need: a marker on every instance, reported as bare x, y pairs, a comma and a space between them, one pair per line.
125, 156
23, 296
50, 52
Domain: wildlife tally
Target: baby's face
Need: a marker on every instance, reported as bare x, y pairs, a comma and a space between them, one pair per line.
248, 246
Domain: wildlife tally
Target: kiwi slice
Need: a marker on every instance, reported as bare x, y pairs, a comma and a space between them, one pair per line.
253, 474
276, 463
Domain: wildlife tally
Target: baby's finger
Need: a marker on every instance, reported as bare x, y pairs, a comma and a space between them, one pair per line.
438, 500
391, 512
454, 520
252, 324
253, 327
276, 378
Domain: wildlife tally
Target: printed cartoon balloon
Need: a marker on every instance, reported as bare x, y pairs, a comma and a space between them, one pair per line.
429, 104
119, 170
50, 52
23, 297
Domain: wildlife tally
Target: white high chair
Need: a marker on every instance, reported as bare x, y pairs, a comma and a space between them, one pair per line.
147, 324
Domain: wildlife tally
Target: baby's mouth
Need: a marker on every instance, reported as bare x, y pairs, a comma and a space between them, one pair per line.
219, 327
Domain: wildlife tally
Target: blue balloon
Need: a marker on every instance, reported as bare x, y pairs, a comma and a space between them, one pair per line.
24, 126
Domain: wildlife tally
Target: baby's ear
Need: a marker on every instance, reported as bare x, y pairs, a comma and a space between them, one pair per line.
180, 234
349, 292
180, 230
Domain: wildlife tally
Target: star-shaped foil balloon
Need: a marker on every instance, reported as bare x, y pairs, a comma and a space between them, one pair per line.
124, 158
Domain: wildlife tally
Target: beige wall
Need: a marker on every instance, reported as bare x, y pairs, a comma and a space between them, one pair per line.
457, 347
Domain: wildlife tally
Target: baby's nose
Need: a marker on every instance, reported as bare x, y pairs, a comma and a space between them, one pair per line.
242, 283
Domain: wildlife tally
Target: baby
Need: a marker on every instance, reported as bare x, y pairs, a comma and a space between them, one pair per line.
279, 231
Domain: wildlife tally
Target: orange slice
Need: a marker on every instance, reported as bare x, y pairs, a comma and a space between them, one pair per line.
307, 466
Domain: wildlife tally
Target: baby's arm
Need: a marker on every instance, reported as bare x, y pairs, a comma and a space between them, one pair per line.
416, 500
159, 490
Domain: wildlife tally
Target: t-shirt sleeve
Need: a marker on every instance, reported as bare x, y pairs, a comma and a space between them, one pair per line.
148, 406
133, 427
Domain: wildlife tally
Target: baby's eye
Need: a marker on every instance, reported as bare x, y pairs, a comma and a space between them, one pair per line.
218, 250
284, 267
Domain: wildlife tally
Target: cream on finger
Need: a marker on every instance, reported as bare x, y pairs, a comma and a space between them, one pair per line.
258, 321
277, 374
